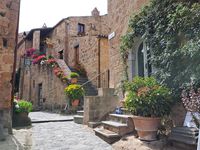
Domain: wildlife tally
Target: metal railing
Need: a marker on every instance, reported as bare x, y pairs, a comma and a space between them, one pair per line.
104, 79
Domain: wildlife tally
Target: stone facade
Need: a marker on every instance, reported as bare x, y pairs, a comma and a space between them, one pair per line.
38, 83
75, 40
9, 11
119, 13
85, 48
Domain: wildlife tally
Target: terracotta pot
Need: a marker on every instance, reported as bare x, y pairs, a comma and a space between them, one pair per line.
74, 80
146, 127
75, 102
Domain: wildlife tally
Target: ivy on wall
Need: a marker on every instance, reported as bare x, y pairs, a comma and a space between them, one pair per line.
171, 29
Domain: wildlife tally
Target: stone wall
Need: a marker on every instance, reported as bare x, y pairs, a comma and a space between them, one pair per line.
87, 45
96, 108
36, 39
119, 13
52, 96
58, 38
9, 10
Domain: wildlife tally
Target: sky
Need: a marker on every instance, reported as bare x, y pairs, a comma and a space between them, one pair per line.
34, 13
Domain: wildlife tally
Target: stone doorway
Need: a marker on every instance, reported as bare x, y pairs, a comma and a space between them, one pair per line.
76, 56
40, 99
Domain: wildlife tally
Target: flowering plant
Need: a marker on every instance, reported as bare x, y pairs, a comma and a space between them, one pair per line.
30, 52
58, 72
191, 99
65, 79
51, 62
146, 97
74, 91
38, 59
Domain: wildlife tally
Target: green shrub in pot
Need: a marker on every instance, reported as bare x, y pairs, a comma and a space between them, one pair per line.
148, 101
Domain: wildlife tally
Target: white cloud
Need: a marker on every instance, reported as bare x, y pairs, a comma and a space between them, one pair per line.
34, 13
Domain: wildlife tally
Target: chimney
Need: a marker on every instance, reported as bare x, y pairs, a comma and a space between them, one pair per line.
95, 12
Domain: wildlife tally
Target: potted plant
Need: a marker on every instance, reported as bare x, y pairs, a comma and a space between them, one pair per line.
21, 111
148, 101
75, 92
65, 79
74, 77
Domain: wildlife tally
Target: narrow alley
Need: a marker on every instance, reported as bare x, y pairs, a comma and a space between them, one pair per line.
63, 135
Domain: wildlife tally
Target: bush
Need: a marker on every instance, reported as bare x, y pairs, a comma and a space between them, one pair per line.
147, 98
74, 91
23, 106
74, 75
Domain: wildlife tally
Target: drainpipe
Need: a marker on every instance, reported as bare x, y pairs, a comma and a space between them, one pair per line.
99, 61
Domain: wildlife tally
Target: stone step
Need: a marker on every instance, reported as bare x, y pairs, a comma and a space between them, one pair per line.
185, 130
120, 117
119, 128
78, 119
184, 135
107, 135
80, 112
185, 140
93, 124
90, 93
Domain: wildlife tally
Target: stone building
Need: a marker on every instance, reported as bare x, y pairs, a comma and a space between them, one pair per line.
119, 13
76, 41
9, 12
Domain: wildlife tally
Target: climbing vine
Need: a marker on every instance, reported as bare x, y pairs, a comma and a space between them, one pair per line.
171, 29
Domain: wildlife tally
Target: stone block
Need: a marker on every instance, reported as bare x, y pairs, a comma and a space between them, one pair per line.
106, 91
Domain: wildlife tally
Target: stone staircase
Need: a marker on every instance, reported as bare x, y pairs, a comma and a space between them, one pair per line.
115, 128
61, 63
79, 117
90, 90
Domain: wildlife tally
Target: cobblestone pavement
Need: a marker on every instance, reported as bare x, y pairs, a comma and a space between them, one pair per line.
46, 116
59, 136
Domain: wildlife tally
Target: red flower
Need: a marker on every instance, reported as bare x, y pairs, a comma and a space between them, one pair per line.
39, 59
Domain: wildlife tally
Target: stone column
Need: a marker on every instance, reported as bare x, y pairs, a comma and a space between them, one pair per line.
2, 136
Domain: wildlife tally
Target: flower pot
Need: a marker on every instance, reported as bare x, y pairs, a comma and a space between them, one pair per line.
74, 80
21, 119
75, 102
146, 127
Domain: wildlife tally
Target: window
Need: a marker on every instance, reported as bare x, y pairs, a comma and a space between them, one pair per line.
33, 83
5, 43
81, 29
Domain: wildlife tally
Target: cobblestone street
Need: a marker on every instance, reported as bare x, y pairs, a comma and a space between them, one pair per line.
59, 135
